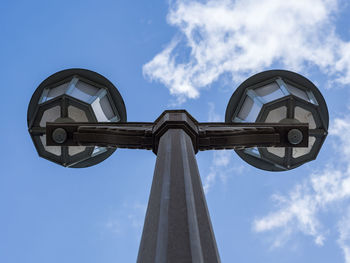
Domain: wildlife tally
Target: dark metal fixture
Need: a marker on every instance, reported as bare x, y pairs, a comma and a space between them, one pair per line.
275, 120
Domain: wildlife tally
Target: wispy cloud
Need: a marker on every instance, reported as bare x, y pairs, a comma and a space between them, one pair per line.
221, 166
300, 209
344, 236
212, 115
128, 217
218, 168
113, 225
242, 37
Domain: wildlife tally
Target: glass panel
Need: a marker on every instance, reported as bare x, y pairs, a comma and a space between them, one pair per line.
246, 107
298, 92
57, 91
312, 98
56, 150
106, 107
303, 116
50, 115
279, 151
84, 91
98, 150
270, 92
115, 119
236, 119
77, 114
249, 111
72, 150
297, 152
102, 109
277, 115
253, 151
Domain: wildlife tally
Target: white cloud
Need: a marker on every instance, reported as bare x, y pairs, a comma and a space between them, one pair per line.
218, 168
126, 218
340, 129
221, 166
300, 209
136, 216
213, 116
246, 36
344, 236
113, 225
343, 64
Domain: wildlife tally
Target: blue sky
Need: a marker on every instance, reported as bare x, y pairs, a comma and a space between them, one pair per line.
173, 55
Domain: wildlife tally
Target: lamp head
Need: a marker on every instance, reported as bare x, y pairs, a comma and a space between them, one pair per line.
73, 95
279, 96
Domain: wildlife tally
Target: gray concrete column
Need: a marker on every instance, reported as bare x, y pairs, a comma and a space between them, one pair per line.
177, 226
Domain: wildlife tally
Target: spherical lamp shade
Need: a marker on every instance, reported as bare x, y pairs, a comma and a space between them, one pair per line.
279, 96
73, 95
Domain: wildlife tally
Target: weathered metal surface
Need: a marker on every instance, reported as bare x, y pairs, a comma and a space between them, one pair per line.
204, 136
177, 225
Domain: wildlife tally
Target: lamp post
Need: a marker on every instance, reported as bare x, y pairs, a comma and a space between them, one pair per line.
276, 120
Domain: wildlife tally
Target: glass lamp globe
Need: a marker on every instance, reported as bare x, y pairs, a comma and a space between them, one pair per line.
279, 96
73, 95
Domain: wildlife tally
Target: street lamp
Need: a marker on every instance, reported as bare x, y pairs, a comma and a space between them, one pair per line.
73, 95
282, 97
269, 122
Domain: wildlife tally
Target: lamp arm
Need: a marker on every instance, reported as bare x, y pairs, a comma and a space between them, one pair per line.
210, 136
124, 136
245, 135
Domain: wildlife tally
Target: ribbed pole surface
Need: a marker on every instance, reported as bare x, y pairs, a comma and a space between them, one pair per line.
177, 226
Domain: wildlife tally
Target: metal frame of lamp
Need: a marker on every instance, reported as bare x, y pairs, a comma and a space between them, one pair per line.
73, 95
289, 98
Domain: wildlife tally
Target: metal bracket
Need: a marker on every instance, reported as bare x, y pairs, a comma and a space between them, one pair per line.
204, 136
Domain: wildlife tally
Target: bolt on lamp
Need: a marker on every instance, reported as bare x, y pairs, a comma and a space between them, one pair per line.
276, 120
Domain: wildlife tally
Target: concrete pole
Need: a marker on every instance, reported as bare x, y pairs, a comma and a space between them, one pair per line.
177, 226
